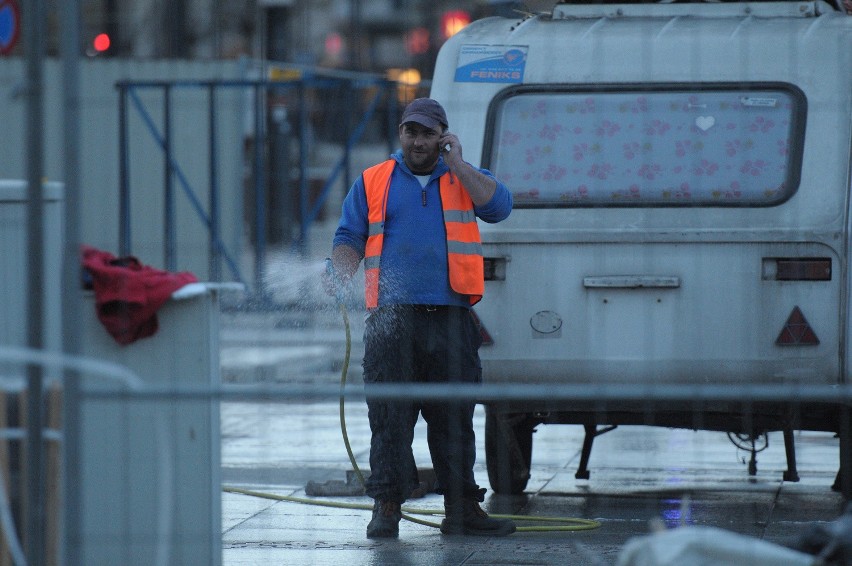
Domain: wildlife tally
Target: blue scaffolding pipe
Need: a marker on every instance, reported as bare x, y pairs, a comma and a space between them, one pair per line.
184, 183
168, 184
213, 205
259, 194
124, 243
303, 163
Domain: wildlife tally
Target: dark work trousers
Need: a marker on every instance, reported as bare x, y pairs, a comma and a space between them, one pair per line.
421, 344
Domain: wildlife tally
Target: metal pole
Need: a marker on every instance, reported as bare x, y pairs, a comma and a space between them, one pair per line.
259, 194
34, 41
124, 243
347, 130
303, 166
845, 473
393, 116
169, 196
176, 29
356, 31
71, 308
215, 260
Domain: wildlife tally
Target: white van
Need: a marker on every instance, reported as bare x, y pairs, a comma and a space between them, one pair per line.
681, 177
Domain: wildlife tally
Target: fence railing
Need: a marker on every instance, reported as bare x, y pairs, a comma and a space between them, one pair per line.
130, 400
340, 108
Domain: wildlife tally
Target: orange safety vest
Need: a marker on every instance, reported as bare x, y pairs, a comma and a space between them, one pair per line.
464, 246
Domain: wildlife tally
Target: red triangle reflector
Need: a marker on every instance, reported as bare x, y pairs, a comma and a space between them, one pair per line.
797, 331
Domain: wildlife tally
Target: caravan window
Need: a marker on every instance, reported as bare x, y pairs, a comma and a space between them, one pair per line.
670, 146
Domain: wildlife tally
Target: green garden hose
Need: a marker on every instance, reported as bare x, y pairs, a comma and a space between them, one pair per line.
557, 523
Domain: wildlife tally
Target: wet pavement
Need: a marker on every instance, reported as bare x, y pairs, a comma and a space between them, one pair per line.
640, 476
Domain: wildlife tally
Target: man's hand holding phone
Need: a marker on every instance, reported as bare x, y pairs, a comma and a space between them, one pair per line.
450, 148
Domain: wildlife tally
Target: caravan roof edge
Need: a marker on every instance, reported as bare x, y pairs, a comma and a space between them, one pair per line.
789, 9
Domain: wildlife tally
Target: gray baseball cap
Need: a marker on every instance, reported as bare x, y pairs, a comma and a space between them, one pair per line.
426, 112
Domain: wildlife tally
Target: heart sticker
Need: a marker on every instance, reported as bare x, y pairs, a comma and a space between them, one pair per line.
705, 122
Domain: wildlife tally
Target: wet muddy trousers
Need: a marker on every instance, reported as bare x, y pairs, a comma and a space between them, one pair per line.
419, 344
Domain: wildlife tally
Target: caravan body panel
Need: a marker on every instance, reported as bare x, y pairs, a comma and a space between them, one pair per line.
605, 280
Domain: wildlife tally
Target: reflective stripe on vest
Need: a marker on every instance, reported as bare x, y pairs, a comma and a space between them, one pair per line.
464, 247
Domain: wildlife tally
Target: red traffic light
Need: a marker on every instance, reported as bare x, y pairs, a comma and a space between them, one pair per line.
101, 42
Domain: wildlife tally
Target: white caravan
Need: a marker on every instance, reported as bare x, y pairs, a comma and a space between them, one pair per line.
681, 177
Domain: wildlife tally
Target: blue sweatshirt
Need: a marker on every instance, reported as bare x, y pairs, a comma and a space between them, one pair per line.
414, 254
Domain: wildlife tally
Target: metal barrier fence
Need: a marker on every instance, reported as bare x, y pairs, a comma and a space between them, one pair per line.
372, 99
135, 405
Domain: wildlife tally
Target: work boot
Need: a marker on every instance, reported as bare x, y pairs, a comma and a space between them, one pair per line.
466, 517
385, 521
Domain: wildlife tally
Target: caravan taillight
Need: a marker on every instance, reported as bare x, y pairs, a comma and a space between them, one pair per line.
797, 268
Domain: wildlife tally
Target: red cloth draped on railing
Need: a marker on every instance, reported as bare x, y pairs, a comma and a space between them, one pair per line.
128, 294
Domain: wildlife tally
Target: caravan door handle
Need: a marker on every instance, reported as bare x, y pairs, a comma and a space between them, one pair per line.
631, 282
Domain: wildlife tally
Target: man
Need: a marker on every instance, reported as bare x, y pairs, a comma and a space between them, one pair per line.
412, 219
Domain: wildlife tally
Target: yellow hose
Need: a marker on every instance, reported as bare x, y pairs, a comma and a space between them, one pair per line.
569, 524
564, 523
